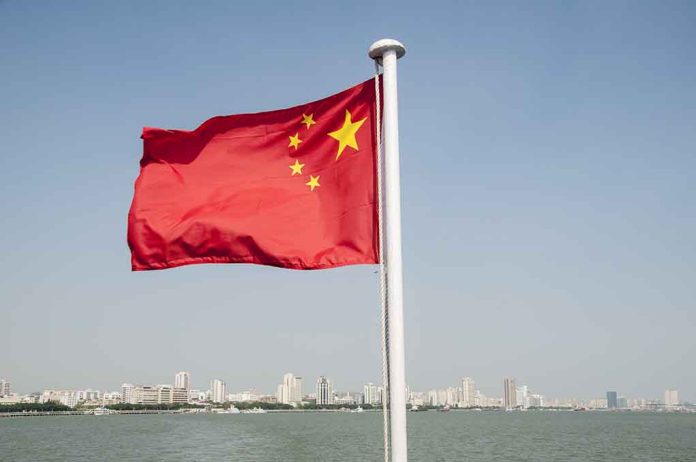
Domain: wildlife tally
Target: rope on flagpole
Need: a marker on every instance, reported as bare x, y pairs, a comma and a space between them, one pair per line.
382, 273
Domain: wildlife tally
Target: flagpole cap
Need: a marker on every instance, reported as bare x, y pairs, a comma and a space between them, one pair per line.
380, 47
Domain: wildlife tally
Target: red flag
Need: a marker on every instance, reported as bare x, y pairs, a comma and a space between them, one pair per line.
294, 188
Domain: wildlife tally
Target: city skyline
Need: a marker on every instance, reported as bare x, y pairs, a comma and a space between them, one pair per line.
464, 393
548, 204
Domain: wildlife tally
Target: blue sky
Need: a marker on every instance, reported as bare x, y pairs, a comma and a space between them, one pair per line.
548, 159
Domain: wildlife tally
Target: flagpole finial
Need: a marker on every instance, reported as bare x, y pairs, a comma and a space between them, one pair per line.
380, 47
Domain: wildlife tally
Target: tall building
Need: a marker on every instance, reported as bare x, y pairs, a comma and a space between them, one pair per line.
182, 380
612, 400
433, 398
372, 394
510, 393
127, 393
468, 392
522, 397
671, 397
4, 388
324, 391
290, 391
218, 391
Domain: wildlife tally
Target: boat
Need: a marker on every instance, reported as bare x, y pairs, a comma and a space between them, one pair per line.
357, 409
444, 409
256, 410
101, 411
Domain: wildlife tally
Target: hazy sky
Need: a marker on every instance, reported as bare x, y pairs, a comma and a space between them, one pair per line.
548, 174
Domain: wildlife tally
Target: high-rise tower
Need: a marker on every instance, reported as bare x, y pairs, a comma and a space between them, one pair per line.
324, 391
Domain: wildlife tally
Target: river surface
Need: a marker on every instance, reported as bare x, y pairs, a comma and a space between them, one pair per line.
433, 436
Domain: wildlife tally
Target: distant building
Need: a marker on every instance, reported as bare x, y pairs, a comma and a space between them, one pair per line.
4, 388
127, 393
88, 395
113, 397
65, 397
182, 380
522, 397
671, 398
433, 399
196, 395
452, 396
243, 396
372, 394
218, 391
622, 402
468, 398
347, 398
324, 391
290, 391
160, 394
509, 393
612, 400
535, 400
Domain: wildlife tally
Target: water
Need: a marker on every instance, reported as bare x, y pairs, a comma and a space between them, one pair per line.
433, 436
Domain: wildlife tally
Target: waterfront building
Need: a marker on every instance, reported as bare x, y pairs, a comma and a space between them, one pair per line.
442, 397
88, 395
671, 398
4, 388
127, 393
509, 393
113, 397
159, 394
65, 397
324, 391
346, 399
196, 395
182, 380
433, 398
535, 400
372, 394
468, 397
417, 398
522, 394
598, 403
612, 400
452, 396
12, 398
218, 391
244, 396
290, 391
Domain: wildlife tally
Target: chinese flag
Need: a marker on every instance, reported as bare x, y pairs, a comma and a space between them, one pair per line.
294, 188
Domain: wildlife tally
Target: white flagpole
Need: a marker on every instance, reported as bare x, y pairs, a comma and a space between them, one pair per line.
388, 51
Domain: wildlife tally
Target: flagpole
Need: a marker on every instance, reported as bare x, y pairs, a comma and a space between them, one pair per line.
388, 51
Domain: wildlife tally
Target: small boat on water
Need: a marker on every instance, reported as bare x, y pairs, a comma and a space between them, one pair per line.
256, 410
444, 409
101, 411
357, 409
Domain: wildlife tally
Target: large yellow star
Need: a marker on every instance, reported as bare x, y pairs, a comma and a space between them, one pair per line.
313, 182
308, 120
294, 141
346, 135
296, 168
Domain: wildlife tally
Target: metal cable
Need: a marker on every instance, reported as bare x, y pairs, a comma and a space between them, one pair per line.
382, 273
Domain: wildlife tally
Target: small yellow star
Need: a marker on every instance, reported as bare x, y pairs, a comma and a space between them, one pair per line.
308, 120
313, 182
296, 168
346, 134
294, 141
